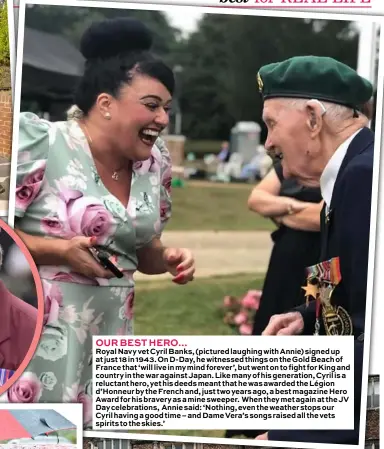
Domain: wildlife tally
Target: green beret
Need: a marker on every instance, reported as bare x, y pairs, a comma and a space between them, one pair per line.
314, 77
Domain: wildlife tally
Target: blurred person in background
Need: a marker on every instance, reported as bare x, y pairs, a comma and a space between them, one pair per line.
225, 152
98, 181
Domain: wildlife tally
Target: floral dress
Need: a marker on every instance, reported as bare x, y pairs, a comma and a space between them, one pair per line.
59, 194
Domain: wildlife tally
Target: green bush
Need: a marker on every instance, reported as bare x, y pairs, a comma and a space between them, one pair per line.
4, 39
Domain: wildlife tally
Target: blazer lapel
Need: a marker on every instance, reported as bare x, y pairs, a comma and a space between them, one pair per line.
358, 145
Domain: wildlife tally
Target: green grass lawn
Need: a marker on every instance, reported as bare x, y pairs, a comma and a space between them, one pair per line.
214, 207
163, 308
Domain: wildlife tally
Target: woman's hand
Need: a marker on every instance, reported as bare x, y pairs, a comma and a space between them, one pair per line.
180, 263
75, 253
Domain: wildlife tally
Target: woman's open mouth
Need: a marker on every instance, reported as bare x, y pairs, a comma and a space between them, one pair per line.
148, 136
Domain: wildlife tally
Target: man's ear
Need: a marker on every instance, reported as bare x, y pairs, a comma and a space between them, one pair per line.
315, 111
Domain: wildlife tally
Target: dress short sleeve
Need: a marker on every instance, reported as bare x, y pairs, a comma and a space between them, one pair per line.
165, 184
31, 160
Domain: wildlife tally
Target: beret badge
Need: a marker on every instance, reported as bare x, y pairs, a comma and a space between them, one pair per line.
260, 82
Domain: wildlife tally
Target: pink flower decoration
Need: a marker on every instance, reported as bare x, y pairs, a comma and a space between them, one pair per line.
52, 226
167, 183
29, 188
251, 300
87, 216
166, 178
241, 318
129, 305
68, 314
245, 329
142, 167
26, 389
37, 175
73, 277
86, 400
53, 300
77, 395
25, 195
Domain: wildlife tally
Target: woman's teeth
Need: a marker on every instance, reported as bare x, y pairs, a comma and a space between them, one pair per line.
149, 136
150, 132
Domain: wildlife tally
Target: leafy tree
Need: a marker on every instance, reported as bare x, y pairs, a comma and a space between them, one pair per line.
71, 22
222, 58
217, 85
4, 38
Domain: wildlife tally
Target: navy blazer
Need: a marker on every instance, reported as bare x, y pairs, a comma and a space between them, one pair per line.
345, 236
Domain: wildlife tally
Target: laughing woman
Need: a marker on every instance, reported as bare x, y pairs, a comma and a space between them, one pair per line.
99, 180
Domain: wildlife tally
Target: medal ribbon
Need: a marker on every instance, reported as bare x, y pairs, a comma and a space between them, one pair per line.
325, 272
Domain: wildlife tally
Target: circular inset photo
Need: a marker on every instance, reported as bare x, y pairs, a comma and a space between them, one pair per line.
22, 307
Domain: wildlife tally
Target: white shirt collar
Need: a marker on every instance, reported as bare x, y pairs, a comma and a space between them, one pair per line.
329, 175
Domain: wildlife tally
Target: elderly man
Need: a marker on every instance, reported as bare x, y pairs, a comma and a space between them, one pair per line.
18, 324
312, 111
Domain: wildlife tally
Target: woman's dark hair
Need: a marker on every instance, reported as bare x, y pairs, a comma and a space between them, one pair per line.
115, 50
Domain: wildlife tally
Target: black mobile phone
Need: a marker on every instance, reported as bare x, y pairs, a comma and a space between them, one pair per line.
103, 258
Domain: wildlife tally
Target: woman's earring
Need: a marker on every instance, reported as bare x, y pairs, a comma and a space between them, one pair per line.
107, 116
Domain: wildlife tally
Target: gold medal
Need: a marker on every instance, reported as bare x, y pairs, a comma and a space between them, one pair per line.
336, 319
310, 290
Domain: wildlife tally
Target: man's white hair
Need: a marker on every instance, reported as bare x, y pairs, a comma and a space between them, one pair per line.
335, 113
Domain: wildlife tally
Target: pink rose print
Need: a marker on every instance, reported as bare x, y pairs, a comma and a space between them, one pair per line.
167, 179
87, 216
27, 388
29, 188
142, 167
52, 225
56, 223
129, 305
53, 300
167, 183
164, 210
36, 176
77, 395
67, 194
86, 400
51, 273
74, 277
155, 162
68, 314
150, 165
